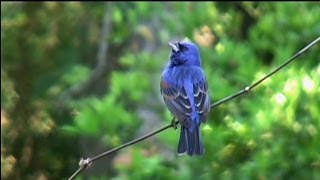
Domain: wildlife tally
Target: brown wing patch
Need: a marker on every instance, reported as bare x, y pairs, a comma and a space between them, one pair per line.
164, 84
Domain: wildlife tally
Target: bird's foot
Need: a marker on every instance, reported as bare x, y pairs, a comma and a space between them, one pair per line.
174, 124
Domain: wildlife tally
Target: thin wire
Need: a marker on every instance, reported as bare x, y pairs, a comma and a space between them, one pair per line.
250, 87
76, 173
87, 162
132, 142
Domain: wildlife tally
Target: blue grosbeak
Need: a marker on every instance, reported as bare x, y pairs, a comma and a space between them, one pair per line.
185, 91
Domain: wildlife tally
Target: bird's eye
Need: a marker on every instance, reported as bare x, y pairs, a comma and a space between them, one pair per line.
182, 47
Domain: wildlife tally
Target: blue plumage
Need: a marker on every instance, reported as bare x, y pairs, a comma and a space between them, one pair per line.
185, 91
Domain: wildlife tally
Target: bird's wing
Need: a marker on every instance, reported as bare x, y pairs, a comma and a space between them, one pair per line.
176, 99
201, 98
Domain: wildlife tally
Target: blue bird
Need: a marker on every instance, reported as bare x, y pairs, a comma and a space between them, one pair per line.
185, 92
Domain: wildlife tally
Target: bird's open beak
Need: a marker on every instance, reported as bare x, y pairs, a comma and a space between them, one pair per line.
174, 46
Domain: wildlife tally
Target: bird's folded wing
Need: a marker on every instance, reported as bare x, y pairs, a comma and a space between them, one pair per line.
201, 98
176, 99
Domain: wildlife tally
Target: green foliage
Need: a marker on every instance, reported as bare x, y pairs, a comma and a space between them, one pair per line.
49, 48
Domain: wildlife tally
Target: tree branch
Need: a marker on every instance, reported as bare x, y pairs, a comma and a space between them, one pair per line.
101, 66
85, 163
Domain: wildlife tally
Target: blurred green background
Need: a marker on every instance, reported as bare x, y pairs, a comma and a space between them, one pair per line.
78, 79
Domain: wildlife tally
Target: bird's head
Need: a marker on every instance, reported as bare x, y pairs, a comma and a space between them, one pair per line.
184, 53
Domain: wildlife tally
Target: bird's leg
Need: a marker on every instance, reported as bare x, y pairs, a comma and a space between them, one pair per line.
173, 123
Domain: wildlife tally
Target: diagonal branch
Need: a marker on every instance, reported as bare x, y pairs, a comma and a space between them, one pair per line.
101, 66
85, 163
247, 89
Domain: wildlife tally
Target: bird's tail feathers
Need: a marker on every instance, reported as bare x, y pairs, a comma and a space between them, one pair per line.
190, 140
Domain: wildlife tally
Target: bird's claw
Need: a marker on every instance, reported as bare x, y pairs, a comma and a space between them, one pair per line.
174, 124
